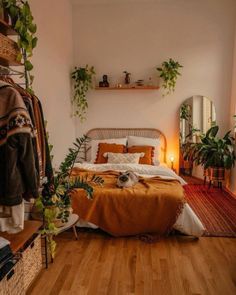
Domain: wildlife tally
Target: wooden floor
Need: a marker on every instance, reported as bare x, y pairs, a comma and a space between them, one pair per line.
98, 264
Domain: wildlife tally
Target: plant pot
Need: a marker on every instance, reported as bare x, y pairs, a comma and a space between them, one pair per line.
216, 173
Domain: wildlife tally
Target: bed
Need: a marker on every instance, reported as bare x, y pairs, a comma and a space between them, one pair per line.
185, 220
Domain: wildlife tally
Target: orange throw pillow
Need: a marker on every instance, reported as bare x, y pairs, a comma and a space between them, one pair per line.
108, 148
147, 150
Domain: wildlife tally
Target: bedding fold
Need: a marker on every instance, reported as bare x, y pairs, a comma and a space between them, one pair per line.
151, 206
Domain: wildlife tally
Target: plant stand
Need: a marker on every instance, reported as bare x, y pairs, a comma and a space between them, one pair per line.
216, 175
73, 220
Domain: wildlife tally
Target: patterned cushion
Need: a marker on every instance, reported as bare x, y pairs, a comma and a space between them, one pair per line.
147, 150
106, 148
118, 158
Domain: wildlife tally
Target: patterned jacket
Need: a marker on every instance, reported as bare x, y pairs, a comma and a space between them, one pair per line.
18, 173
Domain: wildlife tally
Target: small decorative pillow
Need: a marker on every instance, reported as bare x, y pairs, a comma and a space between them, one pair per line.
95, 143
108, 148
148, 153
117, 158
144, 141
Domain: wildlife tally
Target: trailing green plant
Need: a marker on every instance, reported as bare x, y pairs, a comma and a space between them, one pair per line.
54, 201
212, 151
169, 72
23, 23
82, 81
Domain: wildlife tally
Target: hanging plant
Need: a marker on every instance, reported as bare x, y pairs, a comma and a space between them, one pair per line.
169, 73
23, 23
82, 82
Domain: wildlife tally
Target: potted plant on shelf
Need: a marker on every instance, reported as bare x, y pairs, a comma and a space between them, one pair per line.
169, 72
54, 203
82, 81
213, 153
23, 23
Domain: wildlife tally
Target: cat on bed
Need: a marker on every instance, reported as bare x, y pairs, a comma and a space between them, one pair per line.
127, 179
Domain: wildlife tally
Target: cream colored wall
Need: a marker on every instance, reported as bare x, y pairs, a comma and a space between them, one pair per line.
233, 112
53, 61
137, 36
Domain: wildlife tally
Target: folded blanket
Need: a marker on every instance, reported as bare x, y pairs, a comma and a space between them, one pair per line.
151, 206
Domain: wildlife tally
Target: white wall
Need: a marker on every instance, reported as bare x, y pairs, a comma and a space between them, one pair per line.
53, 62
233, 112
137, 36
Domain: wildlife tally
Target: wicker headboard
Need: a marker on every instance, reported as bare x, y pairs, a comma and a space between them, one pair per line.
105, 133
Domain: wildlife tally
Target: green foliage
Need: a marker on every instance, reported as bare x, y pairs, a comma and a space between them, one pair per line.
169, 73
23, 23
212, 151
55, 202
82, 82
72, 155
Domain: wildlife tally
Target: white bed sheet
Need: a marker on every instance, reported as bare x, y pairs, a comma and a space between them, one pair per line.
187, 222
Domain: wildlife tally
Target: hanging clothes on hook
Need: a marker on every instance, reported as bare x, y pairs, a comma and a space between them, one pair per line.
24, 151
18, 171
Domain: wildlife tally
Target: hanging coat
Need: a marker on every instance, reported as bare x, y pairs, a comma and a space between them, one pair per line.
18, 173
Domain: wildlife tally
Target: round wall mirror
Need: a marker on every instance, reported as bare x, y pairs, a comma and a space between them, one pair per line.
197, 115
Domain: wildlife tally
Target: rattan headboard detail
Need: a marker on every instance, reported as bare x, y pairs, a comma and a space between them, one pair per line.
105, 133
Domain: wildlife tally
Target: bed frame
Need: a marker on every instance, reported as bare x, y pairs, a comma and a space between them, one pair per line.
106, 133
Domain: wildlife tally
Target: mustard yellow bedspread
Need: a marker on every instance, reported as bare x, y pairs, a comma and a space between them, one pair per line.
151, 206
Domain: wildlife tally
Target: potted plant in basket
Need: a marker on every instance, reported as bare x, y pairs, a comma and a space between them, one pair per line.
213, 153
23, 23
54, 203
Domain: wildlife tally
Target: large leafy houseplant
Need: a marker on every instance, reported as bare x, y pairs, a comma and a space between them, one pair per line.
23, 23
55, 202
212, 151
82, 81
169, 72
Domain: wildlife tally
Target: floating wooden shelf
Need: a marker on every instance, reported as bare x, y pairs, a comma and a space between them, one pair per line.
6, 29
129, 88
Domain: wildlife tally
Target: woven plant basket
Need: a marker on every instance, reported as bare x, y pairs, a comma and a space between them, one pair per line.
216, 173
13, 283
8, 49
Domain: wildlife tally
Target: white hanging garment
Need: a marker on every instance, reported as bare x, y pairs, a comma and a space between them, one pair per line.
12, 218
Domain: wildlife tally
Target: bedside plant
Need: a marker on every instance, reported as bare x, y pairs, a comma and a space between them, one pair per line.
169, 72
23, 23
54, 204
213, 153
82, 81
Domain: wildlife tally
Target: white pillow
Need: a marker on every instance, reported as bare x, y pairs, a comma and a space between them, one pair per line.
95, 142
142, 141
118, 158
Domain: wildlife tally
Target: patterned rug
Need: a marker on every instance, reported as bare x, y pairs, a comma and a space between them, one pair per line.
215, 208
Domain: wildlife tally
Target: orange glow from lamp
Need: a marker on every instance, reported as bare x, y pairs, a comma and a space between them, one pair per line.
172, 158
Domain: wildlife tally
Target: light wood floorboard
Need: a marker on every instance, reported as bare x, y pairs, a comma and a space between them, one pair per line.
97, 264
